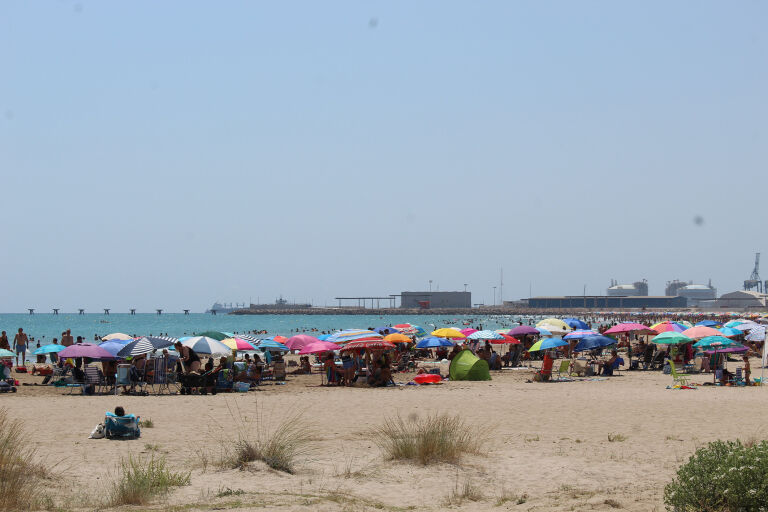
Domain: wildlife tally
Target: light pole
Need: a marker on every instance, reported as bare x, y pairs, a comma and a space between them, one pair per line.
465, 286
430, 286
494, 295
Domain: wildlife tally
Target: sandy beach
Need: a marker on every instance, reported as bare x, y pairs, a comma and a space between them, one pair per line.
550, 447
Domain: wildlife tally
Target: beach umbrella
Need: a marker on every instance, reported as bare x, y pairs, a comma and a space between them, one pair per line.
349, 335
593, 342
300, 341
448, 332
671, 338
746, 326
467, 331
116, 336
506, 339
386, 330
522, 330
554, 322
577, 335
206, 345
668, 326
397, 338
368, 345
575, 323
548, 343
238, 344
730, 331
736, 323
756, 334
411, 329
543, 332
250, 338
113, 347
318, 347
6, 353
216, 335
146, 345
323, 337
696, 333
627, 327
49, 349
716, 341
434, 342
88, 350
709, 323
485, 335
272, 346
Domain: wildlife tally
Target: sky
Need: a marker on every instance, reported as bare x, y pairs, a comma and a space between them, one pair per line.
170, 154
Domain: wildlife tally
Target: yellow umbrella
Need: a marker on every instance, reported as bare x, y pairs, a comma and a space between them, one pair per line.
397, 338
554, 325
448, 332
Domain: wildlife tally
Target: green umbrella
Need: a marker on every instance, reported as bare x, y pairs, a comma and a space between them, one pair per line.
671, 338
218, 336
716, 342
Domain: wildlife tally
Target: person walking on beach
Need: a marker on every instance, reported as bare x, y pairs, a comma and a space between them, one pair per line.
4, 341
21, 342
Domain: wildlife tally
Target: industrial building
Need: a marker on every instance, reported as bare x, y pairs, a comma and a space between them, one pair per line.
606, 302
436, 300
636, 289
742, 300
697, 294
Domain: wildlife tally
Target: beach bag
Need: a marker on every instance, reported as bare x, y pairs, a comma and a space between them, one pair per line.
666, 370
242, 387
98, 432
21, 369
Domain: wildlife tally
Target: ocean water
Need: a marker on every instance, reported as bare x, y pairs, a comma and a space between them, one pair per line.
46, 326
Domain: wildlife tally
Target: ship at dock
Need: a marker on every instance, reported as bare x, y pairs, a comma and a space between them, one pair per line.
280, 305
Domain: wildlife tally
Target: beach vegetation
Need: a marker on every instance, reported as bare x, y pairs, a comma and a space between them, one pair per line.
141, 480
279, 446
510, 497
460, 493
147, 423
721, 477
617, 438
20, 475
229, 492
433, 439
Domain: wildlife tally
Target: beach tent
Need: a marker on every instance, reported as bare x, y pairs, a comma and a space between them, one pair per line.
467, 366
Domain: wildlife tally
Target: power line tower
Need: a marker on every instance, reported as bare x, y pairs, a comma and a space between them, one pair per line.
754, 282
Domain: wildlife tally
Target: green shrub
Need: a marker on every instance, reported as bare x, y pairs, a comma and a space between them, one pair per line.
20, 476
436, 438
143, 479
724, 476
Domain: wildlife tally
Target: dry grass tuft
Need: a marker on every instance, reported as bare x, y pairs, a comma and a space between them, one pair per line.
467, 491
19, 475
147, 423
617, 438
278, 447
433, 439
143, 479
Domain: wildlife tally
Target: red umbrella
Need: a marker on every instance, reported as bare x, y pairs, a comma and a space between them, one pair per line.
371, 345
626, 327
511, 340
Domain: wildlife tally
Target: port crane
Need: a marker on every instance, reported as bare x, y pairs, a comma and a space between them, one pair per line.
754, 282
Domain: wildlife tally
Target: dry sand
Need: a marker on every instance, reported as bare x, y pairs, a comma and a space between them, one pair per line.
550, 442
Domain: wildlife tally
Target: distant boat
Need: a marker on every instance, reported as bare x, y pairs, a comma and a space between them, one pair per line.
225, 308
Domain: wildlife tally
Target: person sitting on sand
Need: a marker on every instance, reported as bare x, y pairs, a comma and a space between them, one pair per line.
119, 411
607, 365
349, 367
331, 372
189, 357
545, 373
304, 366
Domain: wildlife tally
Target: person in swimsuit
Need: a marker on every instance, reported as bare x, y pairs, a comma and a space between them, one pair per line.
189, 357
66, 338
21, 342
4, 341
349, 367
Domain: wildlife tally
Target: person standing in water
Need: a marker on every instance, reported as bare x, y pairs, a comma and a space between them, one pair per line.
21, 342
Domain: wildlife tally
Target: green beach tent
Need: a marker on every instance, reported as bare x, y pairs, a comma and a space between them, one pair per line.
467, 366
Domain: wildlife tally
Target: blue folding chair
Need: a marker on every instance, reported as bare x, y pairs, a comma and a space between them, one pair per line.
126, 427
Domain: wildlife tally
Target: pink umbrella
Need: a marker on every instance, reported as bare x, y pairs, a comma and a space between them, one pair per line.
467, 331
299, 341
88, 350
372, 345
522, 330
319, 347
626, 327
694, 333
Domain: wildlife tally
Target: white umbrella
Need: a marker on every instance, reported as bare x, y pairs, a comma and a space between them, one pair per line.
206, 345
117, 336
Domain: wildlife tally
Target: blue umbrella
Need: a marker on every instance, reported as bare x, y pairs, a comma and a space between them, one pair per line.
271, 345
576, 323
730, 331
113, 347
434, 342
323, 337
386, 330
709, 323
548, 343
48, 349
543, 332
593, 342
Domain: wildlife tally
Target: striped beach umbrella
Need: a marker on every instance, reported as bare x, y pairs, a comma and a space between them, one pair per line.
146, 345
238, 344
349, 335
485, 335
577, 335
206, 345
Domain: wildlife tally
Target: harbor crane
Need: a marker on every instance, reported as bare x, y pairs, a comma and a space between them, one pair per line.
754, 282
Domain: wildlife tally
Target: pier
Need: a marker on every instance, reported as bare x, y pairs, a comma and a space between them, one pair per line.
55, 311
81, 311
106, 311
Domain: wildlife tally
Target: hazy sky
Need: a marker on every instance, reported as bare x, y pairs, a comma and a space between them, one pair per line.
169, 154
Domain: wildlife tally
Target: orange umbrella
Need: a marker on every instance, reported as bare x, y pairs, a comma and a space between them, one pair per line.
397, 338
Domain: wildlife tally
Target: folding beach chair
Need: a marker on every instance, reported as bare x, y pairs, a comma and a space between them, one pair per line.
738, 378
78, 381
677, 378
123, 377
92, 378
564, 369
126, 427
278, 371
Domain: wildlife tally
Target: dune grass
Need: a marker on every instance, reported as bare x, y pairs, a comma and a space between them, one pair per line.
279, 445
19, 474
147, 423
433, 439
141, 480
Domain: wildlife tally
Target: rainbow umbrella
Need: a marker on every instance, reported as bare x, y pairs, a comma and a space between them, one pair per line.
668, 326
548, 343
238, 344
349, 335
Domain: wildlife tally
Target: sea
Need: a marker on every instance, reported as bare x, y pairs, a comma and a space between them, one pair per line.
43, 327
